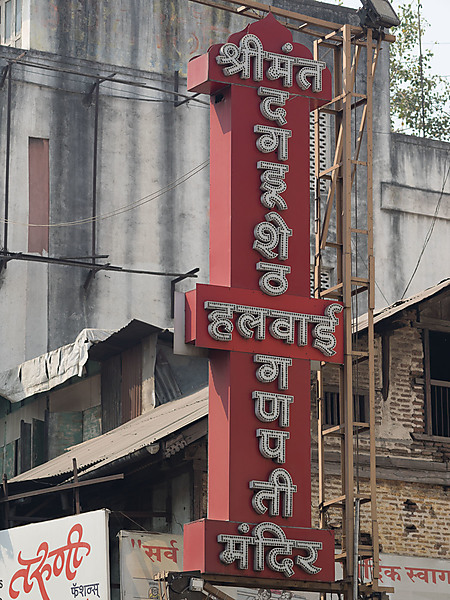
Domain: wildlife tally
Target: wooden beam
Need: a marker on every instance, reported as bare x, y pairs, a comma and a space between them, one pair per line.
76, 490
60, 488
235, 6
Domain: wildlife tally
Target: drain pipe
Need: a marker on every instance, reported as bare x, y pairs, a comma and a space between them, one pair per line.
355, 549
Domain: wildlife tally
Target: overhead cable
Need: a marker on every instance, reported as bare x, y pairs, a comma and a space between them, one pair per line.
122, 209
429, 233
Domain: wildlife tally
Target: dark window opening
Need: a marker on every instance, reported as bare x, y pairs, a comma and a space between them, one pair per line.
439, 383
332, 408
440, 355
166, 386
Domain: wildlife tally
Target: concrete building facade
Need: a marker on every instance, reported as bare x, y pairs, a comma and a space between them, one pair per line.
128, 176
103, 162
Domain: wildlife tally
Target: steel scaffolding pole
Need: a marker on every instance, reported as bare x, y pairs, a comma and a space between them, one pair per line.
342, 203
347, 42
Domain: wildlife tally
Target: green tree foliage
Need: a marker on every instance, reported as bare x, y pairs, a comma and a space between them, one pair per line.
419, 100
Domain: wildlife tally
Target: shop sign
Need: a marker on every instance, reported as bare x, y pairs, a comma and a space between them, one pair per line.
412, 576
56, 560
144, 555
256, 317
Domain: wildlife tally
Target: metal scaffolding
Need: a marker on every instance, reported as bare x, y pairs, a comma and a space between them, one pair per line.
351, 116
351, 140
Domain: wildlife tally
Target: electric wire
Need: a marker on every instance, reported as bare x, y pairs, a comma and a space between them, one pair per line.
112, 95
126, 208
202, 103
430, 231
108, 77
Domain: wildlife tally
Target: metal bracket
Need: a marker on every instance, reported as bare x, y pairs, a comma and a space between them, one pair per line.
4, 74
173, 283
87, 100
176, 103
92, 273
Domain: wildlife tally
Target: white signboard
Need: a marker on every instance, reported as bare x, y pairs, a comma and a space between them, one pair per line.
415, 578
142, 556
411, 577
56, 560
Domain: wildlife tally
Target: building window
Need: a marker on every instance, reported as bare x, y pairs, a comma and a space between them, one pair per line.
325, 279
331, 408
11, 22
437, 382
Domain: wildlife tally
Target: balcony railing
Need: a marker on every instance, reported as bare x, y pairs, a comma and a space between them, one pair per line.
440, 407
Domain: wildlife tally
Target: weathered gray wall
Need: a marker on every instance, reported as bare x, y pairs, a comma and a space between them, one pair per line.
145, 144
414, 181
158, 36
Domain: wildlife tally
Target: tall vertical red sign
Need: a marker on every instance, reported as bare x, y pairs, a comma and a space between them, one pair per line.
256, 315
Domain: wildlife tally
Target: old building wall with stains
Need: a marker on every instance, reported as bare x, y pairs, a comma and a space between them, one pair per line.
152, 183
413, 483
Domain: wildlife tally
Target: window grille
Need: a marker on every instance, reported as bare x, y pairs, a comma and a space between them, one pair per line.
325, 280
437, 382
331, 412
323, 152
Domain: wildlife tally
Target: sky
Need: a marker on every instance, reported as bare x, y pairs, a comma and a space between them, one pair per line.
437, 13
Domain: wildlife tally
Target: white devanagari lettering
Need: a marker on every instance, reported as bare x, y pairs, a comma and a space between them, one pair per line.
272, 234
279, 406
280, 482
273, 184
221, 326
274, 281
252, 317
273, 367
272, 444
276, 97
273, 138
239, 60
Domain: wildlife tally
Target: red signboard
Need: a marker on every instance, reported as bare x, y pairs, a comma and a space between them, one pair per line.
256, 316
247, 321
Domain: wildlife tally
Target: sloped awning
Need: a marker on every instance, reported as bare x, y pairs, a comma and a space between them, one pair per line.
151, 432
393, 309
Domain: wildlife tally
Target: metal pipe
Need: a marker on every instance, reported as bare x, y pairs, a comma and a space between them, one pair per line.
94, 172
355, 549
8, 155
7, 256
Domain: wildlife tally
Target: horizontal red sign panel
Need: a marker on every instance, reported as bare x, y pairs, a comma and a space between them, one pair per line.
239, 320
207, 73
263, 550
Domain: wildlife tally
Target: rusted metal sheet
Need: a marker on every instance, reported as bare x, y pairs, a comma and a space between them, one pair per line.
9, 463
38, 444
92, 422
131, 385
24, 459
38, 194
143, 432
391, 310
64, 430
111, 396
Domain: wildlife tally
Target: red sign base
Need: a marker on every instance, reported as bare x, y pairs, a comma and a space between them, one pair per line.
264, 550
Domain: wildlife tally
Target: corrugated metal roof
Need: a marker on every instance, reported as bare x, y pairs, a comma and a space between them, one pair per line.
391, 310
124, 440
132, 333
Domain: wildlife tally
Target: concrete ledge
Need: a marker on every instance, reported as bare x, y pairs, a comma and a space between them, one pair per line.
414, 200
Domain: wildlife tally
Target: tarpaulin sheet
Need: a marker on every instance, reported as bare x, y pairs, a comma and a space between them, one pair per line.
49, 370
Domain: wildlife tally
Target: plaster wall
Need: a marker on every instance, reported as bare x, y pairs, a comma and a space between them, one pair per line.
150, 218
410, 193
145, 145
